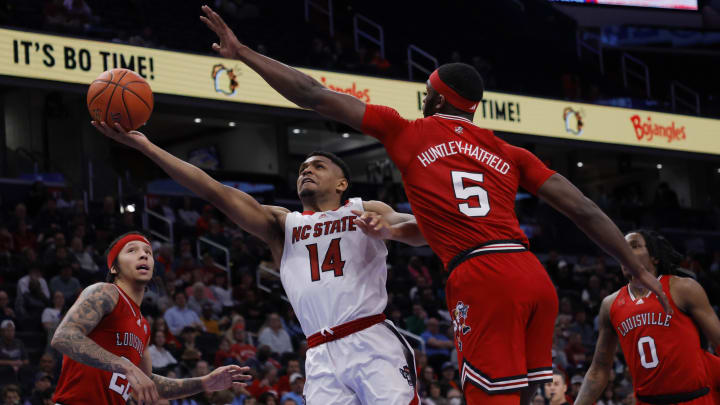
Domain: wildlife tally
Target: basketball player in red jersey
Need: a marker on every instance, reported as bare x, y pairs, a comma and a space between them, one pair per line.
104, 337
663, 351
461, 182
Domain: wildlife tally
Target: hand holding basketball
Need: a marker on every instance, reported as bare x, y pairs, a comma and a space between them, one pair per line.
229, 44
120, 95
116, 132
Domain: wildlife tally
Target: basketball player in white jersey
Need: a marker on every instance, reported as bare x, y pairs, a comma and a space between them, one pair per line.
333, 273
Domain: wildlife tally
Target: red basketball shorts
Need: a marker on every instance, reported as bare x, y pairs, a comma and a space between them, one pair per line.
503, 307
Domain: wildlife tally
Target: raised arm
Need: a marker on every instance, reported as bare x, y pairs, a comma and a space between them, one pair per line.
566, 198
221, 378
292, 84
596, 378
71, 339
691, 298
263, 222
380, 221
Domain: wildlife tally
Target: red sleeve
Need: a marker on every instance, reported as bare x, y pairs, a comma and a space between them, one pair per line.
386, 124
383, 123
533, 172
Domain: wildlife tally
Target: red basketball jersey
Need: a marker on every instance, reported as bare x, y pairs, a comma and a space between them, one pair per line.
123, 332
461, 180
662, 351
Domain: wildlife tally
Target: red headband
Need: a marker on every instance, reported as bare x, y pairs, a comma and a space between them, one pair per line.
451, 96
117, 247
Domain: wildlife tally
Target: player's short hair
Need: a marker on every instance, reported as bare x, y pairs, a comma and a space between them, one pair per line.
110, 277
464, 79
340, 163
660, 249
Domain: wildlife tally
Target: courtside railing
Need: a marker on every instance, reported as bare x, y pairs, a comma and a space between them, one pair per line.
262, 273
685, 97
225, 266
326, 10
378, 40
412, 64
633, 67
147, 214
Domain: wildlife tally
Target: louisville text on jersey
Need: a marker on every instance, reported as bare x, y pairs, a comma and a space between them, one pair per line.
647, 318
129, 339
454, 147
324, 228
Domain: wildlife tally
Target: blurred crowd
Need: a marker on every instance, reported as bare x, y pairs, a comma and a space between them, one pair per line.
203, 316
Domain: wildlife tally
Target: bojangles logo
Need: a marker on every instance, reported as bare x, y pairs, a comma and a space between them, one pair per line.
649, 130
362, 94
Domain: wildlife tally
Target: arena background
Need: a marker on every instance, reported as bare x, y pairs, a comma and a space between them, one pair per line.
621, 100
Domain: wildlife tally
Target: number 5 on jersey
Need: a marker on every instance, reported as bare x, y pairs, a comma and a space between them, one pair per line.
333, 260
464, 193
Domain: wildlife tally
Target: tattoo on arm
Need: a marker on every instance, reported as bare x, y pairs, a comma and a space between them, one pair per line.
172, 388
71, 337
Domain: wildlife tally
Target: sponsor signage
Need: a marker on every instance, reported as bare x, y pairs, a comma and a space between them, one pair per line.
69, 60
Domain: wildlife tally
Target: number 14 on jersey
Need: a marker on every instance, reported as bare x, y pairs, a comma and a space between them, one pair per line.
333, 260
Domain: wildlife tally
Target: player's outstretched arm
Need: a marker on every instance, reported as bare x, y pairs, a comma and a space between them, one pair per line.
292, 84
263, 222
562, 195
219, 379
71, 339
596, 378
380, 221
691, 298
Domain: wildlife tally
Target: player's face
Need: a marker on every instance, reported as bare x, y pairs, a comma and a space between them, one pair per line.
136, 261
556, 389
431, 101
319, 176
639, 248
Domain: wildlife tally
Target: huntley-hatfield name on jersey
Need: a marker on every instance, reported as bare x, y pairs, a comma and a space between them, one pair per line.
129, 339
324, 228
450, 148
647, 318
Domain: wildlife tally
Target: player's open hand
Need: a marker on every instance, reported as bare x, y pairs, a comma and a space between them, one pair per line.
133, 139
229, 44
372, 224
647, 280
225, 377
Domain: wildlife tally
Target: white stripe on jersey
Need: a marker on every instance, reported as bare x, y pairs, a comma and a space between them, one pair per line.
332, 273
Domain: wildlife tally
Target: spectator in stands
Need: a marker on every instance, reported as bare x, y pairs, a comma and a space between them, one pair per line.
48, 365
89, 269
292, 367
42, 384
215, 234
448, 379
291, 325
6, 312
297, 383
23, 237
575, 351
583, 327
265, 382
416, 322
434, 396
108, 219
209, 319
30, 306
201, 296
12, 350
438, 345
557, 388
49, 220
180, 316
417, 269
222, 292
11, 395
65, 282
425, 379
575, 383
19, 215
171, 342
162, 359
51, 316
188, 215
202, 225
275, 336
268, 398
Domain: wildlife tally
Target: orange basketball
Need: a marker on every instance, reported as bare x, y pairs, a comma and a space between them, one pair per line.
120, 95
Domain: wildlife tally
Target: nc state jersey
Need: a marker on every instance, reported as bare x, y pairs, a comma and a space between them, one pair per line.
461, 180
662, 351
331, 271
123, 332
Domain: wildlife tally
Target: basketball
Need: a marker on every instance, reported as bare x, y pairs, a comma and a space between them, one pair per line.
120, 95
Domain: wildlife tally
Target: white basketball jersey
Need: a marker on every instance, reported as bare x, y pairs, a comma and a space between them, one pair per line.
331, 271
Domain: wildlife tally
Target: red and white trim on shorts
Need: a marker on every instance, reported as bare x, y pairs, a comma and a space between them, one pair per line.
489, 385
